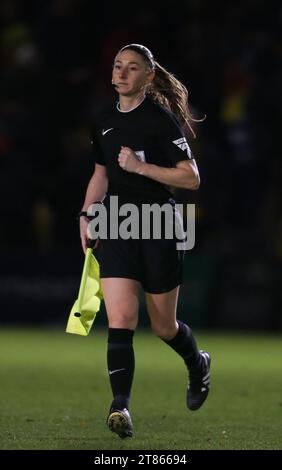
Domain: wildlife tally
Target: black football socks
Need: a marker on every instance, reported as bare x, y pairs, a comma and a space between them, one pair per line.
121, 365
185, 345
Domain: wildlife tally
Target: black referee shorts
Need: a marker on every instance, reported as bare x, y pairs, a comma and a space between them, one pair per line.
156, 264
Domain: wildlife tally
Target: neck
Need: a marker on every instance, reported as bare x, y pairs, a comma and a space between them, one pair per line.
126, 103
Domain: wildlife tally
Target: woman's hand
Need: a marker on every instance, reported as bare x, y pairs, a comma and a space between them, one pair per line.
83, 224
128, 160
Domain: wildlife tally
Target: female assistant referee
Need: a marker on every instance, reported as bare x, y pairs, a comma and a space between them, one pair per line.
140, 151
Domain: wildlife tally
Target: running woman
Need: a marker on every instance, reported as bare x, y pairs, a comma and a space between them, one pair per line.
140, 151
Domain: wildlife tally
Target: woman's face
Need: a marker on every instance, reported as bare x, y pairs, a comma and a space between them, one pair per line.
130, 73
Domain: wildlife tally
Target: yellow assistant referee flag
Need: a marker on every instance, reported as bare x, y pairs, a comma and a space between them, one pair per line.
87, 304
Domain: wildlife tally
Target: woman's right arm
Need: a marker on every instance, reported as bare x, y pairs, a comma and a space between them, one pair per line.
96, 191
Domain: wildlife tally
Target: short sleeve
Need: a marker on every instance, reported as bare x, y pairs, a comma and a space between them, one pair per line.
172, 140
96, 148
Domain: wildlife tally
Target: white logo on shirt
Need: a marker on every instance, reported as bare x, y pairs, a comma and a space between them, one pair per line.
183, 145
104, 132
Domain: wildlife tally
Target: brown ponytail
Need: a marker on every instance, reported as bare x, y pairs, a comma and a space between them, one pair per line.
169, 92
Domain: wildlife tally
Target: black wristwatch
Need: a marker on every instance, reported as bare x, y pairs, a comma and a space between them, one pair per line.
82, 214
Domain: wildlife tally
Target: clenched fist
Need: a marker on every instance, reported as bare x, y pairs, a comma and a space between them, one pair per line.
128, 160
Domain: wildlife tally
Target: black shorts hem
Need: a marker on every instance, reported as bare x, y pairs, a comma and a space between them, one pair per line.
162, 290
147, 289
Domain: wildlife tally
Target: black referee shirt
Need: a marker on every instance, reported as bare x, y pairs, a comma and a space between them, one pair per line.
153, 133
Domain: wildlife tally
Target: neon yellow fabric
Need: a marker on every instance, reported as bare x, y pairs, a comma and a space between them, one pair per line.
87, 304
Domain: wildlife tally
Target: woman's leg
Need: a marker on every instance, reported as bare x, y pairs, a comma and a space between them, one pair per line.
121, 298
162, 312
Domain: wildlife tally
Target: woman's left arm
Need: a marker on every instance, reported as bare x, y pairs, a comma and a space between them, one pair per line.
184, 175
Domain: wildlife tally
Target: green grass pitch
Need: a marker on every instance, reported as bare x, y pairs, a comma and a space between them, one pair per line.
55, 393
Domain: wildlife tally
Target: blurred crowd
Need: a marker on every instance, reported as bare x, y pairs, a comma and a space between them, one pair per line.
56, 58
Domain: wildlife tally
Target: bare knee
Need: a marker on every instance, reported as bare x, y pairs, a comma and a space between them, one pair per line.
122, 319
165, 331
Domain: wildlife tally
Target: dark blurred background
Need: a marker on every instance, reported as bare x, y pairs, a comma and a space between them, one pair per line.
56, 58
